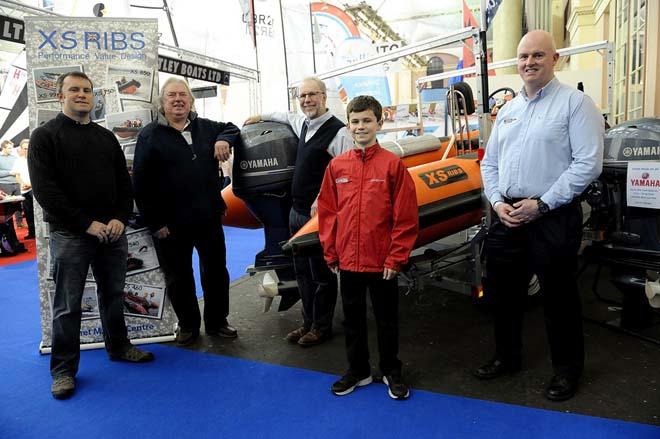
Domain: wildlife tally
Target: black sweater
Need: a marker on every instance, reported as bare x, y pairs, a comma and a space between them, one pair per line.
178, 185
78, 174
311, 160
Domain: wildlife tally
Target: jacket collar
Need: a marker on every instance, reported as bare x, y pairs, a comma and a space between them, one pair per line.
368, 153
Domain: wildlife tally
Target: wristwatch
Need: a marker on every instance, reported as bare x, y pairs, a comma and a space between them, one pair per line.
543, 207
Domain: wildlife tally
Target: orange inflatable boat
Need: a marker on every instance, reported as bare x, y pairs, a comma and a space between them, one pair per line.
447, 181
448, 196
445, 172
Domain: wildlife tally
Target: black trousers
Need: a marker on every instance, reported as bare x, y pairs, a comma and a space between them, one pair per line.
547, 247
316, 283
385, 303
175, 256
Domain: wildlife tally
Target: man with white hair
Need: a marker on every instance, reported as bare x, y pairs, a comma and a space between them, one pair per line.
321, 137
545, 149
177, 187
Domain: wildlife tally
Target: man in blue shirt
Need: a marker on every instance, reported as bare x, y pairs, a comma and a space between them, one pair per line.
545, 148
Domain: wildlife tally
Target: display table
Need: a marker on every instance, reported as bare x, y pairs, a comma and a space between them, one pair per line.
9, 206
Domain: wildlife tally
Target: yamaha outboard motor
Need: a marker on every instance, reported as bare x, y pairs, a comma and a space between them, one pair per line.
626, 237
262, 175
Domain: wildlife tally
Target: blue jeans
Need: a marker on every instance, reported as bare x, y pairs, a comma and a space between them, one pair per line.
71, 255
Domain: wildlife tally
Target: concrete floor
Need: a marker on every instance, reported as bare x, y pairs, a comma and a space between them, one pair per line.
445, 335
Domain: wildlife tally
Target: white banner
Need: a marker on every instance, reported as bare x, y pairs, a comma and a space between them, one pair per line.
121, 57
270, 53
643, 185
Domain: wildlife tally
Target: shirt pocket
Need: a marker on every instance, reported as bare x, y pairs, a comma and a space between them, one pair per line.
552, 130
508, 130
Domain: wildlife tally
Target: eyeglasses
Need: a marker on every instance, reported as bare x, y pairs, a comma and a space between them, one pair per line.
310, 95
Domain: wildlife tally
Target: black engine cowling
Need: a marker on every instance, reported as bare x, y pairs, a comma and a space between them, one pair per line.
627, 238
262, 176
265, 161
620, 224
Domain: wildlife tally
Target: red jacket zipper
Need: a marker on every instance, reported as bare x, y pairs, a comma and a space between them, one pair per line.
359, 212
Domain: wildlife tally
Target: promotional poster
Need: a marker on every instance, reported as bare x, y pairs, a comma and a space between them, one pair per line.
121, 57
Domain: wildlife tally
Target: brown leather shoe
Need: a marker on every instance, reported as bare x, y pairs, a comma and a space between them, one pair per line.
312, 338
185, 337
63, 386
296, 334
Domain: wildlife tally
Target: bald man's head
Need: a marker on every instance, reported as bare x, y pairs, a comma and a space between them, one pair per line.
537, 57
539, 37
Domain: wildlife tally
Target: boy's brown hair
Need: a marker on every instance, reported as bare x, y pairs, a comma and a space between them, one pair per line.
364, 103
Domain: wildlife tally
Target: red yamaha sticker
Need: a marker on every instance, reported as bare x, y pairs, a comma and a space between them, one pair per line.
443, 176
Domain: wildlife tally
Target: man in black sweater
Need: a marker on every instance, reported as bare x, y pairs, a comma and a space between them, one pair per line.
177, 188
79, 177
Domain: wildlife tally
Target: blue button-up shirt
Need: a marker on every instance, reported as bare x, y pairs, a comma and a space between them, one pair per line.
548, 146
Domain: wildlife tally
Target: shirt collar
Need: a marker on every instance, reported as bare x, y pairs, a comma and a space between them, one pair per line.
315, 123
547, 88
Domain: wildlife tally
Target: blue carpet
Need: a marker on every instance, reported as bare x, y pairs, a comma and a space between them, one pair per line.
187, 394
242, 246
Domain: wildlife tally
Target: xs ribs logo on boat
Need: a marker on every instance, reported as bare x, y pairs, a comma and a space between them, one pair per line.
442, 176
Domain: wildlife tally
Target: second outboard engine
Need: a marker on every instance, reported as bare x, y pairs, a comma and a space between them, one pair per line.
626, 237
262, 175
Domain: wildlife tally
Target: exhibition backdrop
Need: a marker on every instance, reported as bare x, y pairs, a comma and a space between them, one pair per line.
121, 58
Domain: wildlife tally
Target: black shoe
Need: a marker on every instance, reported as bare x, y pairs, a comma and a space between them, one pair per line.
495, 368
226, 330
348, 383
561, 388
396, 388
185, 337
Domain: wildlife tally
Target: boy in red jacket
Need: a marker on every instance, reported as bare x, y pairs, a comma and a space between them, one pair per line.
367, 212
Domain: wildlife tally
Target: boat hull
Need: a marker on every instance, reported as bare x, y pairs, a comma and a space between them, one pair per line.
448, 196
